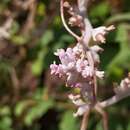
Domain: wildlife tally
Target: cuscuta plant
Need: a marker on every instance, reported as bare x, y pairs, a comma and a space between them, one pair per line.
79, 65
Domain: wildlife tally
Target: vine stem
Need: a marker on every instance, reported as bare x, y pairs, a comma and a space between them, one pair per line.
91, 63
116, 98
104, 115
86, 35
64, 22
84, 123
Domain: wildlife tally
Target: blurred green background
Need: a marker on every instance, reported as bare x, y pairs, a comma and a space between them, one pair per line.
30, 32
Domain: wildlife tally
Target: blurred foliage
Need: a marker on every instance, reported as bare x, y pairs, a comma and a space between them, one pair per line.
30, 98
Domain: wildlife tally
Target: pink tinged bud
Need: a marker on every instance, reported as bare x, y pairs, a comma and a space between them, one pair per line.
71, 79
65, 57
80, 65
57, 69
100, 38
125, 83
99, 33
75, 85
87, 72
72, 20
76, 20
70, 54
71, 65
110, 28
100, 74
96, 48
53, 68
60, 53
66, 4
60, 71
78, 85
124, 87
78, 49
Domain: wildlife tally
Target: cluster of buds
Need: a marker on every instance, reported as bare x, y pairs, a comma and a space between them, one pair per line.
75, 68
75, 19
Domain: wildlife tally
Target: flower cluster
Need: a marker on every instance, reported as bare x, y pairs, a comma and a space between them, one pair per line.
79, 65
76, 69
75, 66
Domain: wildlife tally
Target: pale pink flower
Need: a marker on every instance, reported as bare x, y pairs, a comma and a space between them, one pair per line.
78, 49
53, 68
80, 64
99, 33
57, 69
100, 74
87, 72
123, 87
82, 106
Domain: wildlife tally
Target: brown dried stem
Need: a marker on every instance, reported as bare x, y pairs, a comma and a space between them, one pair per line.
29, 24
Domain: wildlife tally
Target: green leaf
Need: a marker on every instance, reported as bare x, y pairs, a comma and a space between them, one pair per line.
99, 126
20, 107
4, 111
46, 38
38, 64
37, 111
66, 38
19, 39
41, 9
122, 36
118, 18
122, 59
100, 10
128, 127
5, 123
68, 122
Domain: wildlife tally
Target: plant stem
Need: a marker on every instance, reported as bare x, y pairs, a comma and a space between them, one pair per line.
84, 123
64, 22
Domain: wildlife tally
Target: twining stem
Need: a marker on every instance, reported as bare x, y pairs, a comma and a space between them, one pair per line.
95, 84
104, 116
82, 5
64, 22
85, 119
91, 63
86, 32
116, 98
